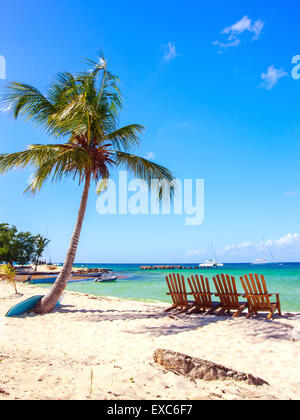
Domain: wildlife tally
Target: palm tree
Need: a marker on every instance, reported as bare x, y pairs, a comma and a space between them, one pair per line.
82, 110
8, 273
40, 245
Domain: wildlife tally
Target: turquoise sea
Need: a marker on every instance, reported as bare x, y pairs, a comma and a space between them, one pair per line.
150, 285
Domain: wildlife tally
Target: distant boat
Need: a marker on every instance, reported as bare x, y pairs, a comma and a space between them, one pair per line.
88, 275
259, 261
91, 273
211, 264
106, 279
268, 253
45, 280
51, 280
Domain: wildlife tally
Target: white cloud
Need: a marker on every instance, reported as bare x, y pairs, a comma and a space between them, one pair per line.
150, 155
237, 28
287, 245
271, 77
234, 43
234, 31
235, 249
245, 24
288, 240
170, 52
282, 249
257, 27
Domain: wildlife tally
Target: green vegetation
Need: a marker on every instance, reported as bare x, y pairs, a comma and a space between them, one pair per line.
20, 247
16, 247
81, 110
41, 244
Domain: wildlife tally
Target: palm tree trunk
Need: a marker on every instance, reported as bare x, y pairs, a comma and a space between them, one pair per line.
50, 300
15, 286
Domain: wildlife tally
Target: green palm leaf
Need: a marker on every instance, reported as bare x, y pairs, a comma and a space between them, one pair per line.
125, 137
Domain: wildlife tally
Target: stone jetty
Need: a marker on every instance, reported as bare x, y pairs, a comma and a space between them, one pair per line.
167, 267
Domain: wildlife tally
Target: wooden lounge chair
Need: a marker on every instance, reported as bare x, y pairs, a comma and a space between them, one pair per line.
202, 295
227, 292
178, 293
258, 297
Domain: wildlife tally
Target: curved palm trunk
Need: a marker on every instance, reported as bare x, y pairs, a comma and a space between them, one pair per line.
49, 301
14, 284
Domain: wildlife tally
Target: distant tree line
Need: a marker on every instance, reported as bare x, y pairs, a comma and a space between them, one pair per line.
20, 247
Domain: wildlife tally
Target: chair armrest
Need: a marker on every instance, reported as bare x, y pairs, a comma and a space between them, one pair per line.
201, 294
258, 295
227, 294
177, 293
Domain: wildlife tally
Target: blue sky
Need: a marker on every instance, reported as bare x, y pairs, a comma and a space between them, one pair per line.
213, 86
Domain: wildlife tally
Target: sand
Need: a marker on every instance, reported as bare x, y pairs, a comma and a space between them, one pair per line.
102, 348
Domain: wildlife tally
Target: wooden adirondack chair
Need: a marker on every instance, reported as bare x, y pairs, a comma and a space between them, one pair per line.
258, 297
178, 293
227, 292
202, 294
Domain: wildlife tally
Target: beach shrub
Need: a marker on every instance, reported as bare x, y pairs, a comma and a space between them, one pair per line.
8, 273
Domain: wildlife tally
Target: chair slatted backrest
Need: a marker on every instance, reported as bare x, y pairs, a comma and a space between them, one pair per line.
177, 289
255, 286
226, 289
201, 291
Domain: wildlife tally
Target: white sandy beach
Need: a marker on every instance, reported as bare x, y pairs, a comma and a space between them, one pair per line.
112, 341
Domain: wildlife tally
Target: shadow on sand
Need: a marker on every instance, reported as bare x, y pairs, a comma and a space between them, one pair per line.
172, 323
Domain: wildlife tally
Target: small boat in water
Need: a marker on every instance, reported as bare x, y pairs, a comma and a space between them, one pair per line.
105, 279
259, 261
91, 272
42, 280
91, 275
211, 264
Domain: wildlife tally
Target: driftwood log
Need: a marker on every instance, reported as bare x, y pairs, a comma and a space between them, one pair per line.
196, 368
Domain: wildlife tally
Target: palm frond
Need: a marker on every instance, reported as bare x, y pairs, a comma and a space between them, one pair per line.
149, 171
125, 137
33, 156
28, 101
67, 161
98, 65
55, 160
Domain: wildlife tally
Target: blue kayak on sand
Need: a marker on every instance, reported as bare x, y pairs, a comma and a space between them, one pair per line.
25, 306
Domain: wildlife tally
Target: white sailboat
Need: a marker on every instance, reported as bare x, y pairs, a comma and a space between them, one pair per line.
261, 261
212, 262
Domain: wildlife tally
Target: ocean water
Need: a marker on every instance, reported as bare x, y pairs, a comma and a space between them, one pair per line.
150, 285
